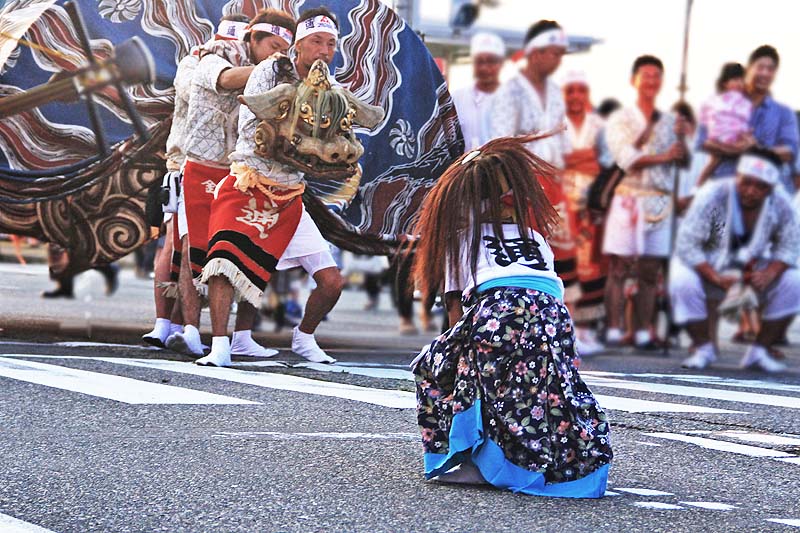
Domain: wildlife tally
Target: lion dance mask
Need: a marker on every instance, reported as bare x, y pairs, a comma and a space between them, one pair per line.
309, 125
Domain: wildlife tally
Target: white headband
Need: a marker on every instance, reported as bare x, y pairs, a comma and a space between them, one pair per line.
759, 168
318, 24
487, 43
552, 37
230, 29
274, 29
575, 76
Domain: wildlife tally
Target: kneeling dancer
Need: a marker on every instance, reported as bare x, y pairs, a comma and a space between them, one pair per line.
499, 398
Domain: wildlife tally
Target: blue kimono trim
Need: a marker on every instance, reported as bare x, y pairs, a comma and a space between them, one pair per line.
468, 443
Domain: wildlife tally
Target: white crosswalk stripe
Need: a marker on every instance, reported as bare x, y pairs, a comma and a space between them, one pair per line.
17, 366
772, 448
9, 524
108, 386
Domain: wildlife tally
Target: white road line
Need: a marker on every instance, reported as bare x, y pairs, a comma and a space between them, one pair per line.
722, 446
658, 506
643, 492
9, 524
785, 521
87, 344
109, 386
81, 344
714, 506
761, 438
629, 405
319, 435
697, 392
705, 380
610, 493
387, 398
634, 405
790, 460
373, 372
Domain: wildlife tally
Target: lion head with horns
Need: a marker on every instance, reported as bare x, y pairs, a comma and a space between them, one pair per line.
309, 125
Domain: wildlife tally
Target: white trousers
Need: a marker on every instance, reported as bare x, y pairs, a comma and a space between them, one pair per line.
307, 249
688, 294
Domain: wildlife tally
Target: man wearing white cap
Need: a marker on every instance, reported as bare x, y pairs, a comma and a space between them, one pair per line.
487, 51
531, 102
738, 231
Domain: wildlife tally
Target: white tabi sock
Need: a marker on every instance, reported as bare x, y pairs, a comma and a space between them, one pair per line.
187, 342
220, 353
175, 328
642, 337
159, 334
614, 335
243, 344
304, 345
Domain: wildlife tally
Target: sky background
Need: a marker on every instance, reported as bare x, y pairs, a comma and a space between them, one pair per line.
721, 31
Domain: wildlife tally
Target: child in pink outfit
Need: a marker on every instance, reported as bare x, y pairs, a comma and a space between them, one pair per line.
726, 115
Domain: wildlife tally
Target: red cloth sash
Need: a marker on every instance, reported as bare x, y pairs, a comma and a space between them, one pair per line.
249, 232
199, 182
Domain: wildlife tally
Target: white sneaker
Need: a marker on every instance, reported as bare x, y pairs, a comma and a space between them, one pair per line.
758, 357
186, 342
703, 356
586, 343
220, 353
243, 344
305, 345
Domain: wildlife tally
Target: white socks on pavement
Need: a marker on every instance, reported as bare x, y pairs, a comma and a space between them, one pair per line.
614, 336
220, 353
160, 332
243, 344
758, 357
187, 342
175, 328
304, 345
704, 355
642, 337
587, 342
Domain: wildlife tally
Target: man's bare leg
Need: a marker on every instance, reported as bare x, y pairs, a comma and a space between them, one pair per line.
648, 270
758, 354
703, 334
243, 343
188, 341
615, 298
220, 298
322, 299
164, 305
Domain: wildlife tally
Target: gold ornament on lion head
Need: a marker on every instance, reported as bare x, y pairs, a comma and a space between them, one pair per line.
308, 125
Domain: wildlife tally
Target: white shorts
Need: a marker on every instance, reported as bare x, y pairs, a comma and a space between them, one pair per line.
307, 249
688, 295
626, 232
183, 225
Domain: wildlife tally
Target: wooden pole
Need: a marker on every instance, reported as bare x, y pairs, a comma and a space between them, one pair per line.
676, 181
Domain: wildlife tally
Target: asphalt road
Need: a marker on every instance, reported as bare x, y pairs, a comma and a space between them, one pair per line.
121, 438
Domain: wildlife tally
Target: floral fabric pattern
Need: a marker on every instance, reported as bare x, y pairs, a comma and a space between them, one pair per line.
514, 351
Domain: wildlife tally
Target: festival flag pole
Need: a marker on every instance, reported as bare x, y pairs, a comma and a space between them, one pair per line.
676, 181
